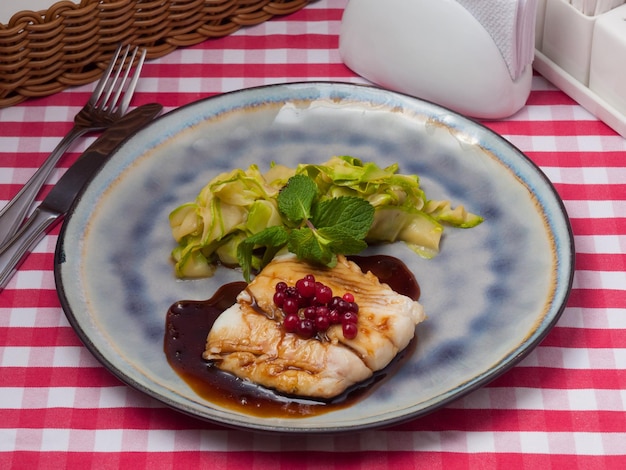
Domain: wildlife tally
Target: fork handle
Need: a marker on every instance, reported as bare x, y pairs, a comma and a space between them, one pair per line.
13, 214
15, 250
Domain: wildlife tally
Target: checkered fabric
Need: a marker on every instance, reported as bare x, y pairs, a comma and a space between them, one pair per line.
563, 406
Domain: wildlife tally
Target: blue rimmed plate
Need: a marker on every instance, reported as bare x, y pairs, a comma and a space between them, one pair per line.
491, 295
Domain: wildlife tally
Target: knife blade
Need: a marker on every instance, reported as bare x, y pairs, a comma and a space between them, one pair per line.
61, 197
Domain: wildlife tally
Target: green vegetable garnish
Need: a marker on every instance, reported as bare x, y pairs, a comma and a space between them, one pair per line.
315, 231
314, 211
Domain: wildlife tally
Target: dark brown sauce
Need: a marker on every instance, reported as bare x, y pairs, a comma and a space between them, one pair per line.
188, 323
392, 272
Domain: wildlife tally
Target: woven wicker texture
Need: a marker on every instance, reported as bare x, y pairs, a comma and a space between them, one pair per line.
70, 44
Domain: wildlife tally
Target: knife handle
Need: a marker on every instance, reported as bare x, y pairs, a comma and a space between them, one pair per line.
12, 215
15, 250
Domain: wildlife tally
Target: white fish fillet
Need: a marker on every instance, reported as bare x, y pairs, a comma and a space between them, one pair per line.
248, 339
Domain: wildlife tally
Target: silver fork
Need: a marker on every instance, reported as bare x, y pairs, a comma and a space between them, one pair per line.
103, 108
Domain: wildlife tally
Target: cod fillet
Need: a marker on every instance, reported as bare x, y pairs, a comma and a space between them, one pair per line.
248, 339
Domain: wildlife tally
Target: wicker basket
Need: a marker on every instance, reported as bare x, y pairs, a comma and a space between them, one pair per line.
42, 53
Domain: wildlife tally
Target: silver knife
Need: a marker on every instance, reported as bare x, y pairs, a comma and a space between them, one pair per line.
62, 195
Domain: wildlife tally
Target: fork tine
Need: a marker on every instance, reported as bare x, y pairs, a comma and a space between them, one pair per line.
128, 94
97, 92
113, 83
130, 91
120, 87
119, 84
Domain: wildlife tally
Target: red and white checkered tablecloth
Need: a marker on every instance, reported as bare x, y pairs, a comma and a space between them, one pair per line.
564, 406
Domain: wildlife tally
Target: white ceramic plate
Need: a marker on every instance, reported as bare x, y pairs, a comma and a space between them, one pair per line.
491, 295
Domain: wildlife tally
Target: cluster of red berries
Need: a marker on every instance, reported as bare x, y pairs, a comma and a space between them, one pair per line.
310, 308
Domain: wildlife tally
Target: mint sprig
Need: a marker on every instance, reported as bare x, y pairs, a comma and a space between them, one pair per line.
295, 200
315, 229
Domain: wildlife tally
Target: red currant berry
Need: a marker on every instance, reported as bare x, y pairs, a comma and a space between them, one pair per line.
334, 302
323, 293
343, 306
306, 288
291, 323
348, 297
303, 301
354, 307
322, 323
281, 286
310, 277
322, 310
279, 298
349, 317
290, 306
334, 316
306, 328
349, 330
310, 313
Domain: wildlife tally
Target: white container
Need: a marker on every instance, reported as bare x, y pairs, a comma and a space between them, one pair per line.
607, 75
432, 49
541, 16
567, 35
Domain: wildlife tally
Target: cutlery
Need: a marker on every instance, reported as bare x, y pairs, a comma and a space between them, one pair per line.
60, 198
103, 109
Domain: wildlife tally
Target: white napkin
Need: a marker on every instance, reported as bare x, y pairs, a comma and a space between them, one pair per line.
511, 24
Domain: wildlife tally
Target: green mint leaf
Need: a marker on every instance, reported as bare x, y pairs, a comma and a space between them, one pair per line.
331, 227
351, 215
296, 198
340, 241
272, 238
306, 244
